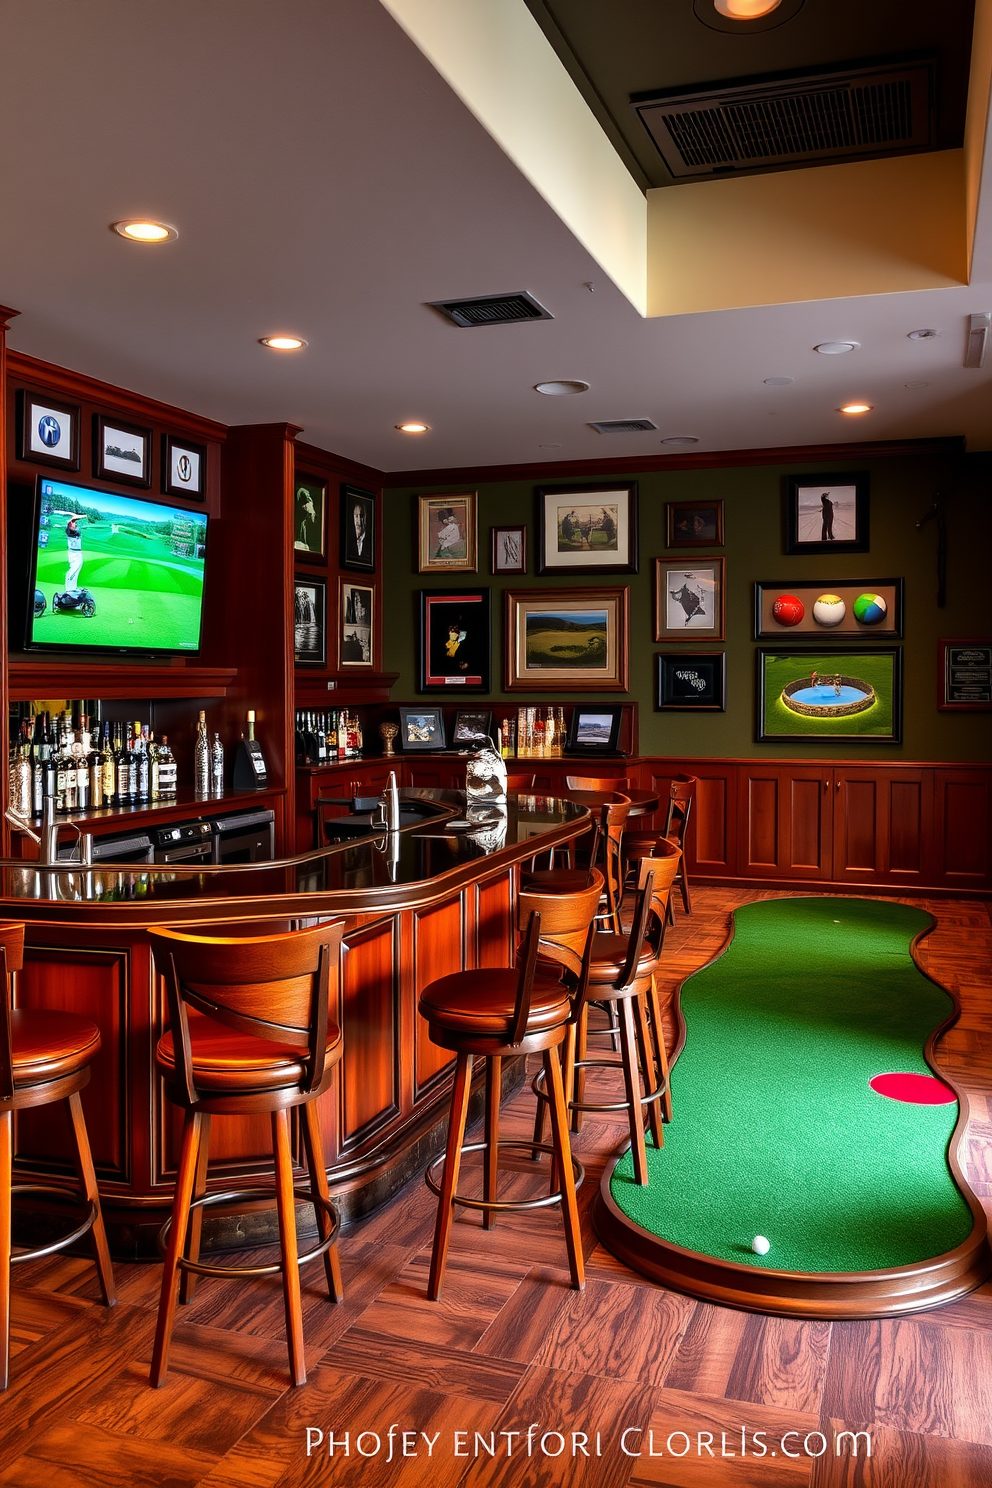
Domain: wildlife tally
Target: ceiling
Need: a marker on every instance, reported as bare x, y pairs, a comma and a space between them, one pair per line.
325, 180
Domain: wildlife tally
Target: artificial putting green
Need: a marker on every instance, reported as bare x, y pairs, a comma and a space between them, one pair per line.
776, 1131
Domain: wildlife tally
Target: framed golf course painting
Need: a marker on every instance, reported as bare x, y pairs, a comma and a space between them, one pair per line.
566, 639
815, 696
587, 529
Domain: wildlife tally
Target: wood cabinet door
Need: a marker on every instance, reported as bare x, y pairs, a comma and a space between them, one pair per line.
882, 825
785, 816
963, 827
711, 842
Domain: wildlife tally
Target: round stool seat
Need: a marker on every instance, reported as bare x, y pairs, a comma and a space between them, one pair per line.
47, 1045
609, 955
640, 844
483, 1002
225, 1060
555, 881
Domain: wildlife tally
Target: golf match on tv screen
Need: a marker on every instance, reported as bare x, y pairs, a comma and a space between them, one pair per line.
113, 571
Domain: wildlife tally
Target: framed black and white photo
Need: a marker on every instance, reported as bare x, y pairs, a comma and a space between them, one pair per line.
358, 535
508, 554
472, 728
421, 728
355, 612
587, 529
455, 640
309, 509
826, 513
184, 467
121, 452
47, 431
310, 621
689, 599
693, 681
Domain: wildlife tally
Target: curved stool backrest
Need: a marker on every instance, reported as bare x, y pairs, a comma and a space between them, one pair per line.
11, 960
566, 922
681, 796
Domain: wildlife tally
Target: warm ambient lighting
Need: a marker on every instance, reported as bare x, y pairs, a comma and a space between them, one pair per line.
282, 343
746, 10
562, 387
836, 348
413, 428
145, 232
855, 408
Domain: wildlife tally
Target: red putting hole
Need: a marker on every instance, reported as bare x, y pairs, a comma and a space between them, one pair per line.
916, 1090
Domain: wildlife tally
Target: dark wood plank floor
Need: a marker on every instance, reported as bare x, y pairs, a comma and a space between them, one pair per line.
510, 1349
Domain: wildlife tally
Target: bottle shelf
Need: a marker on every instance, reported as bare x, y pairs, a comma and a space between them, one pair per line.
30, 678
186, 802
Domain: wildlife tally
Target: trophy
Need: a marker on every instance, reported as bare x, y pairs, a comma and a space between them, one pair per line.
387, 733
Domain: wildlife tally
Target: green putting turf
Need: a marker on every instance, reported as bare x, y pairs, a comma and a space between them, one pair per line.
776, 1131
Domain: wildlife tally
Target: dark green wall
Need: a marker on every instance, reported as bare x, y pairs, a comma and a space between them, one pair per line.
901, 491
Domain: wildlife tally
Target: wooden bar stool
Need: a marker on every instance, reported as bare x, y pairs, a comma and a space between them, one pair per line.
681, 795
605, 853
250, 1034
493, 1013
45, 1056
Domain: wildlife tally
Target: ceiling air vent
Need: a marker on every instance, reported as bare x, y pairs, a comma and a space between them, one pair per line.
809, 119
622, 426
486, 310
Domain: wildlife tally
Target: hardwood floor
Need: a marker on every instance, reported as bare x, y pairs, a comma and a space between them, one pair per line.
509, 1348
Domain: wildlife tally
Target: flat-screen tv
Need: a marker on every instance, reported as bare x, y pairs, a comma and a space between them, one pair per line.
114, 573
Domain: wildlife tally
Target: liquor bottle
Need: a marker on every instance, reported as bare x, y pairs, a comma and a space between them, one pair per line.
64, 768
217, 766
94, 765
39, 752
560, 729
539, 739
107, 768
22, 774
342, 736
166, 771
320, 734
201, 757
122, 768
144, 764
153, 773
81, 754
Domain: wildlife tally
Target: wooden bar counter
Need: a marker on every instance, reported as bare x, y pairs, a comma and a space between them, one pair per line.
437, 897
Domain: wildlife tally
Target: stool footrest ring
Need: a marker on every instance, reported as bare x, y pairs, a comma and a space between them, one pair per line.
504, 1204
537, 1085
233, 1195
55, 1191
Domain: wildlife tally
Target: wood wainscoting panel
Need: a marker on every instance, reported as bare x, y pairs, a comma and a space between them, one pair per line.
882, 825
785, 814
760, 827
963, 827
711, 843
369, 1079
438, 950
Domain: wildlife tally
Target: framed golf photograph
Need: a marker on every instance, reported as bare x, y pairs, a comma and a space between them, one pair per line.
358, 535
421, 728
455, 640
309, 514
184, 467
693, 524
448, 539
356, 608
826, 513
587, 529
689, 601
472, 728
508, 550
813, 697
47, 430
310, 621
121, 452
824, 610
572, 640
692, 681
965, 676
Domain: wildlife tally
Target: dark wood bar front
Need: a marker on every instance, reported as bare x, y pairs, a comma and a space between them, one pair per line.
434, 898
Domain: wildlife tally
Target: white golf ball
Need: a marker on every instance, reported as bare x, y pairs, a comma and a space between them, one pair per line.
760, 1245
829, 610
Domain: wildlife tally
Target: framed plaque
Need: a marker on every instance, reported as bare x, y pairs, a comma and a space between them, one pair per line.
965, 677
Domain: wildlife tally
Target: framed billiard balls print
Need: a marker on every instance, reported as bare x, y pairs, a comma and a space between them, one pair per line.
828, 610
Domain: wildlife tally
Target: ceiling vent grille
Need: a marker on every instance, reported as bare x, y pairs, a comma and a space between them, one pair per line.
806, 120
483, 310
622, 426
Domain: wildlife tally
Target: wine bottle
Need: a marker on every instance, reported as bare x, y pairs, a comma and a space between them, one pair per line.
217, 766
201, 757
166, 771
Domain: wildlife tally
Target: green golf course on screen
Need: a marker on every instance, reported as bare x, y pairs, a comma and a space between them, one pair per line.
115, 572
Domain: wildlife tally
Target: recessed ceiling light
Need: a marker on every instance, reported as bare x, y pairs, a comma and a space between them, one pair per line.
676, 441
925, 335
855, 408
413, 426
916, 385
778, 381
746, 10
836, 348
549, 446
561, 388
139, 230
282, 343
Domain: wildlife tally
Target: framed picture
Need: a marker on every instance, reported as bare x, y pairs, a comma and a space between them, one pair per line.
358, 534
508, 553
594, 730
309, 518
310, 621
356, 608
965, 676
572, 640
47, 431
448, 536
689, 599
692, 681
184, 467
813, 697
824, 610
455, 640
694, 524
121, 452
421, 728
472, 728
587, 529
826, 513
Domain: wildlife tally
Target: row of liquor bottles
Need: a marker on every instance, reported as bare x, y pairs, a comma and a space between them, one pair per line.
326, 735
63, 758
532, 733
